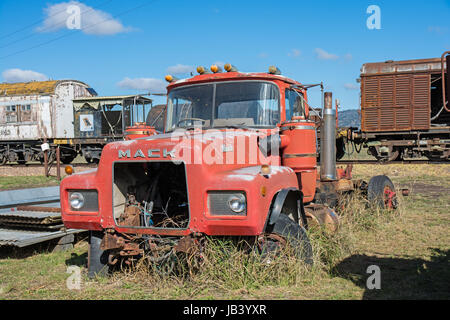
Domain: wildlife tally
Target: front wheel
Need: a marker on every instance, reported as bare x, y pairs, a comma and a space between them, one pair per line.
284, 232
97, 258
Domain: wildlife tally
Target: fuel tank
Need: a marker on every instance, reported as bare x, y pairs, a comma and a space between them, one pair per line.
300, 154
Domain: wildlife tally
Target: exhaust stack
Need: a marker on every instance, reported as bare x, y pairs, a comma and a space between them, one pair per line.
328, 141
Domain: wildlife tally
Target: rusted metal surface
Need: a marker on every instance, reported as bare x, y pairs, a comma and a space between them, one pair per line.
395, 95
395, 102
320, 215
130, 217
432, 65
112, 241
444, 80
186, 244
39, 208
30, 217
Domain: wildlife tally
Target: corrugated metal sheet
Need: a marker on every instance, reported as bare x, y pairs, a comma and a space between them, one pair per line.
21, 238
30, 217
13, 198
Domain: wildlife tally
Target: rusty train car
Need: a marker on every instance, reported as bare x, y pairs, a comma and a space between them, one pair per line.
404, 109
63, 113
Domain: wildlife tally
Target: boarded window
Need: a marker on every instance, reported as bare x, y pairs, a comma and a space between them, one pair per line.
18, 113
11, 114
25, 113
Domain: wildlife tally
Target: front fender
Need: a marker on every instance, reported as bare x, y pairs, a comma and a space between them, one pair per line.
281, 198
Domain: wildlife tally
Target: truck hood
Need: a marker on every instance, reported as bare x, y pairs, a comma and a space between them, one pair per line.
235, 148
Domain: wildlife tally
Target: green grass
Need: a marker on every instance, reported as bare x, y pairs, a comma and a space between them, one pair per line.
411, 247
17, 182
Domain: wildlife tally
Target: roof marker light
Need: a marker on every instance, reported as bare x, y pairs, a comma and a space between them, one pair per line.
274, 70
170, 78
230, 68
215, 68
202, 70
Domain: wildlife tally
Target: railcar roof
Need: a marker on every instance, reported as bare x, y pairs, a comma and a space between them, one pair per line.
32, 87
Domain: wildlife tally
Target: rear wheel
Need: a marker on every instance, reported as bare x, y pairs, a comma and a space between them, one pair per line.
97, 258
381, 192
285, 232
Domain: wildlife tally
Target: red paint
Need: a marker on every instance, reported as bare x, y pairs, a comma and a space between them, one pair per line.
243, 176
139, 130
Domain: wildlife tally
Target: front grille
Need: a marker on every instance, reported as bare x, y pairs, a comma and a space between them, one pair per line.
150, 194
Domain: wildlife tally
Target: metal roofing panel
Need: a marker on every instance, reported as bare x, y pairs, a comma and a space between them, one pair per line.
12, 198
25, 238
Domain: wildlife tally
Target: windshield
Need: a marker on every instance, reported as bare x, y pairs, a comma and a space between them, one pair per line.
224, 104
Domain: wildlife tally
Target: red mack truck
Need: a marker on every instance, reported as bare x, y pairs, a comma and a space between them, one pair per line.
237, 158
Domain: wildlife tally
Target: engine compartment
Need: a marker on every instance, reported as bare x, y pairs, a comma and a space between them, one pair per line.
150, 194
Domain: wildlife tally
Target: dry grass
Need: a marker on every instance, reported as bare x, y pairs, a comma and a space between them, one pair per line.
411, 247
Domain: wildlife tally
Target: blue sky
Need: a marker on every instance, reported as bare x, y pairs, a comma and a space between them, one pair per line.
128, 46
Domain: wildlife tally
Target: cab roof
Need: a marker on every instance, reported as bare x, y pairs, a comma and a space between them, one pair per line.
229, 76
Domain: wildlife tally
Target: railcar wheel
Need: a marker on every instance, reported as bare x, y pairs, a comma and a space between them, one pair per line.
3, 160
67, 160
381, 192
394, 156
21, 159
285, 232
97, 258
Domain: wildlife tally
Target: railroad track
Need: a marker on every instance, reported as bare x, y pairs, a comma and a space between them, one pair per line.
340, 162
391, 162
38, 165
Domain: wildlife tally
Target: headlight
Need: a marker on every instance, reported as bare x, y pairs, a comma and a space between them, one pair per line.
83, 200
76, 200
237, 203
227, 203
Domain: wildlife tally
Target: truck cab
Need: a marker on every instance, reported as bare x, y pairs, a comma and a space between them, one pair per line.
237, 158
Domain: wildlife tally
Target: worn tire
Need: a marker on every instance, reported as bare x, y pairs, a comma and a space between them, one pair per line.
97, 258
376, 192
294, 234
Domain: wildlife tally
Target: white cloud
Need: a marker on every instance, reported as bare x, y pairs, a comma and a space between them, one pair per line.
437, 29
92, 21
351, 86
294, 53
348, 57
323, 55
180, 68
19, 75
149, 84
263, 55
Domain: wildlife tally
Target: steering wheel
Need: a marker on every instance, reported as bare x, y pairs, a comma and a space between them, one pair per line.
190, 119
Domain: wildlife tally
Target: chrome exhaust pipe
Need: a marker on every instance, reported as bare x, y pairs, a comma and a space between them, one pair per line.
328, 141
